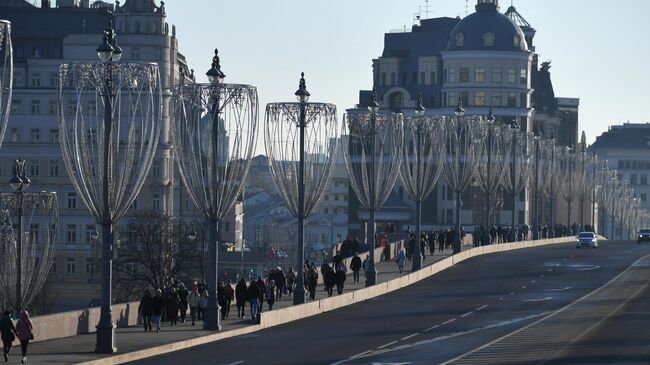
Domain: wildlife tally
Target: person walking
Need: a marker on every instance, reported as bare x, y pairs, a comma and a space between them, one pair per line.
24, 329
171, 307
270, 294
145, 310
182, 301
241, 295
330, 280
355, 266
340, 277
230, 296
324, 270
253, 297
261, 285
194, 302
221, 299
291, 279
400, 260
8, 333
203, 303
280, 283
312, 277
157, 308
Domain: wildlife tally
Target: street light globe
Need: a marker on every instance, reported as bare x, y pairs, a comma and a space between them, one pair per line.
192, 236
117, 53
105, 50
15, 182
373, 107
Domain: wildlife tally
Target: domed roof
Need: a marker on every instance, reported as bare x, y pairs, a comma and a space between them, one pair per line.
487, 29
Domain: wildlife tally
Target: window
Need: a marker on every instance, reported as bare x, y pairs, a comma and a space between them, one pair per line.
54, 167
497, 75
479, 98
54, 79
452, 75
327, 211
512, 100
414, 78
327, 197
383, 78
36, 79
15, 135
54, 136
523, 76
523, 100
336, 197
433, 79
463, 74
488, 40
71, 265
516, 41
72, 200
396, 101
156, 201
71, 233
464, 96
393, 78
404, 78
90, 266
643, 179
512, 75
633, 179
155, 169
135, 52
479, 75
460, 40
53, 107
36, 135
644, 197
90, 232
452, 98
16, 106
497, 100
423, 77
35, 167
36, 107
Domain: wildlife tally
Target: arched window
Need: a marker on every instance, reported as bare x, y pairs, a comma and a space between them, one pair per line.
488, 40
396, 101
460, 40
516, 41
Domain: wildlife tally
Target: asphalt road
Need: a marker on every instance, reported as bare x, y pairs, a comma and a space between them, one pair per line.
555, 304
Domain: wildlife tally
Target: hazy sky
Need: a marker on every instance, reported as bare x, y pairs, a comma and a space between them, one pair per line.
598, 48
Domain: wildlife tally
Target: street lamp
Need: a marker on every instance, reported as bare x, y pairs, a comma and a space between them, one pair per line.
373, 158
26, 259
570, 183
108, 151
196, 231
422, 165
214, 131
517, 171
301, 142
536, 138
6, 75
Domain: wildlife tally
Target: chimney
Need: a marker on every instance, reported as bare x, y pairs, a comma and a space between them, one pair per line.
45, 4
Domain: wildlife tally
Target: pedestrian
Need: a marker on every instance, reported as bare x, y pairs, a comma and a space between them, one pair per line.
194, 302
280, 283
270, 294
145, 310
157, 308
8, 333
340, 277
355, 266
253, 297
221, 299
261, 285
24, 329
241, 295
171, 307
423, 246
291, 280
230, 296
324, 269
204, 302
400, 260
330, 280
182, 301
312, 276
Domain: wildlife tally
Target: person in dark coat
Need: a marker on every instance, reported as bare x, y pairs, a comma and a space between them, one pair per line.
340, 277
145, 310
8, 333
171, 307
253, 297
355, 266
324, 269
230, 296
241, 295
270, 294
157, 308
330, 280
312, 279
261, 285
182, 301
221, 299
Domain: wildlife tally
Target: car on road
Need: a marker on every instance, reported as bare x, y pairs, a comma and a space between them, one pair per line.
644, 235
282, 255
586, 239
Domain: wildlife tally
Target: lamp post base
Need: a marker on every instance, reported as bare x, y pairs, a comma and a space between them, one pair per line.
211, 319
371, 275
105, 338
299, 294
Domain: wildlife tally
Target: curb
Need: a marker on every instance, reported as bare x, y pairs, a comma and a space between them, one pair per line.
285, 315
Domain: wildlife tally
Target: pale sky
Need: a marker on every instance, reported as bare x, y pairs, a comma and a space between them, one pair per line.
597, 47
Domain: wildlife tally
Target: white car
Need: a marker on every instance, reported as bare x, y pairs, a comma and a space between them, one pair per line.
587, 239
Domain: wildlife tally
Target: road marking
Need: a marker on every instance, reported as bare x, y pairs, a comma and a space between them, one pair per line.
561, 289
235, 363
501, 298
449, 321
467, 314
481, 308
386, 345
431, 328
524, 287
409, 336
538, 300
541, 275
549, 270
361, 354
589, 268
511, 293
533, 282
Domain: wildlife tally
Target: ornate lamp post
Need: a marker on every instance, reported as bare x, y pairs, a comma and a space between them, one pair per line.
517, 171
198, 232
301, 143
599, 175
536, 182
373, 158
462, 141
493, 156
26, 255
108, 150
6, 75
214, 135
422, 165
551, 178
570, 183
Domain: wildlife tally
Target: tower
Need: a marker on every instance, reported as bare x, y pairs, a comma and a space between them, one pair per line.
487, 5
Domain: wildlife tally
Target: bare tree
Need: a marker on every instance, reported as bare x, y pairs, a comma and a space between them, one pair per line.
154, 251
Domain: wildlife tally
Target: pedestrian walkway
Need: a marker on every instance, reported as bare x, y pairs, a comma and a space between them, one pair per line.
80, 348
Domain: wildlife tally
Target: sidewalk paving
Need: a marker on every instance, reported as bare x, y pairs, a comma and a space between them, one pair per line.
80, 348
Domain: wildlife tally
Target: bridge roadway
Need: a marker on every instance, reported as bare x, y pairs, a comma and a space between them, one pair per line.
552, 305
